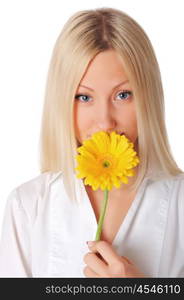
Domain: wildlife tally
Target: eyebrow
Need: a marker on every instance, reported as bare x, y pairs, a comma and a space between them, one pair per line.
121, 83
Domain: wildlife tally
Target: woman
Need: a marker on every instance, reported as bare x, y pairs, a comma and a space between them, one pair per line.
103, 75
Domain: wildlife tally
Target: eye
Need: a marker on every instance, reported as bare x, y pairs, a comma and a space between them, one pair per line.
125, 94
83, 98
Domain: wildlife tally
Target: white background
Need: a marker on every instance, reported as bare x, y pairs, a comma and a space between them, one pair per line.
28, 31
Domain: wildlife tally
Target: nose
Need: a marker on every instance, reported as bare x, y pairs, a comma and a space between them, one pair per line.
104, 118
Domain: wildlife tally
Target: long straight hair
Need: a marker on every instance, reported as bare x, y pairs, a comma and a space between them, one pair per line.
84, 35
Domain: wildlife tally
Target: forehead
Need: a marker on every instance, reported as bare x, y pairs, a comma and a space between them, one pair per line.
106, 66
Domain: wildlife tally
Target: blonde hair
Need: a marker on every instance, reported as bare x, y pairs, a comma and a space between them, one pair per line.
84, 35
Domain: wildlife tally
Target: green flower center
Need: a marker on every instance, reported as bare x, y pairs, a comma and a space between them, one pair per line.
106, 164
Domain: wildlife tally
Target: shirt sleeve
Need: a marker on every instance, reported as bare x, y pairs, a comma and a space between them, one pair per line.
15, 248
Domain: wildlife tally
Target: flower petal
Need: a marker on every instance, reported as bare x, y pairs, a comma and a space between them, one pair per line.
106, 160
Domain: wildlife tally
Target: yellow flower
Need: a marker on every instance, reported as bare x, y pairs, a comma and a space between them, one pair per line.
106, 160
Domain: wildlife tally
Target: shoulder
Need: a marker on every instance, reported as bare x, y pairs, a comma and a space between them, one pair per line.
169, 188
38, 184
177, 194
163, 182
26, 196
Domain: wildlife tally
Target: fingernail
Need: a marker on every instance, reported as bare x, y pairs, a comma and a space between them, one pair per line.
90, 244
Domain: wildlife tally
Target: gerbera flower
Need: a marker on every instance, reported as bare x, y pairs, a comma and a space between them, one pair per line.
104, 161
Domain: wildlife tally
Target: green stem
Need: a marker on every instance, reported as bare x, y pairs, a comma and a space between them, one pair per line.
102, 215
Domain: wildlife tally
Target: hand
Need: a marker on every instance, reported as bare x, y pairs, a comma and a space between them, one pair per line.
103, 261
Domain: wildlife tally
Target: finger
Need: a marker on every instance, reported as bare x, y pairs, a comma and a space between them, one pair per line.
95, 264
126, 260
90, 273
106, 251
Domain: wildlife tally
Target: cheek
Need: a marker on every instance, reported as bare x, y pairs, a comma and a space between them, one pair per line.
129, 123
81, 122
133, 127
132, 120
76, 119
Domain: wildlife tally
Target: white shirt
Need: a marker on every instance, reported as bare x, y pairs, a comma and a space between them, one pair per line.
44, 233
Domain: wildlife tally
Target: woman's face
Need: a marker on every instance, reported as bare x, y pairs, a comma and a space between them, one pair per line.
104, 99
